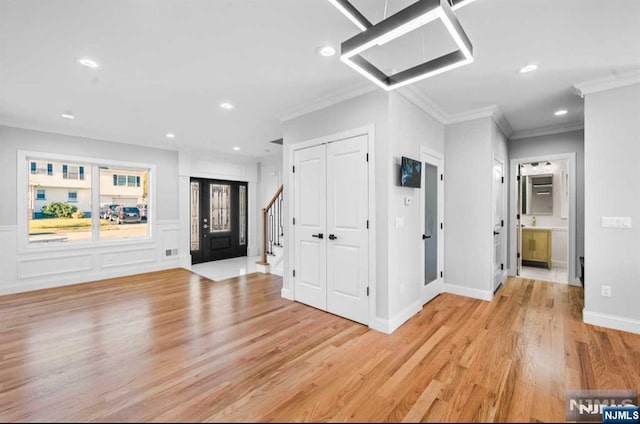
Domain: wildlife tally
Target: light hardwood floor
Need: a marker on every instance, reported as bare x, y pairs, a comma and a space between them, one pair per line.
173, 346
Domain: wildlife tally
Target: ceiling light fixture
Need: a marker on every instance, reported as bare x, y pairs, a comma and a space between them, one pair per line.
326, 51
236, 148
561, 112
352, 14
171, 135
529, 68
413, 17
68, 115
89, 63
226, 105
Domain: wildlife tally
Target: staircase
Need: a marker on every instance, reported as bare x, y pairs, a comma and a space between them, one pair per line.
273, 235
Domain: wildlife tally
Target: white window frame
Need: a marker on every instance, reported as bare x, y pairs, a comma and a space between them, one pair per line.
24, 159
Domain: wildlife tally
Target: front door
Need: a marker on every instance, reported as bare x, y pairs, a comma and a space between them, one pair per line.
218, 220
498, 223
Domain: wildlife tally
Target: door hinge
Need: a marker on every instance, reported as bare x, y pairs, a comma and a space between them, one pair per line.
502, 180
367, 290
518, 216
294, 221
441, 274
442, 225
294, 169
294, 272
367, 224
367, 157
518, 255
441, 177
502, 222
502, 266
518, 179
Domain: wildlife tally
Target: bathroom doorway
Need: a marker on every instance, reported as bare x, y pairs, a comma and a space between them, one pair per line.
543, 200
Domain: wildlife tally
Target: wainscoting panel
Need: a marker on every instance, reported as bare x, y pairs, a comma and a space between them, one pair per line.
22, 271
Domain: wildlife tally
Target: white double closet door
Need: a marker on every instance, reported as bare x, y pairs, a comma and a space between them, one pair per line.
331, 210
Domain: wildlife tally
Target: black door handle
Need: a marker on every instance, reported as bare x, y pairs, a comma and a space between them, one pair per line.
319, 235
495, 233
332, 237
424, 237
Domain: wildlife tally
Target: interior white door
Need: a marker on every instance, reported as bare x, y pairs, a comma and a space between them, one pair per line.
498, 223
432, 207
347, 240
310, 185
518, 228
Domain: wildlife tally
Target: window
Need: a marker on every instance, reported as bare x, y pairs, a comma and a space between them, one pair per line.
124, 194
42, 168
60, 207
126, 180
220, 196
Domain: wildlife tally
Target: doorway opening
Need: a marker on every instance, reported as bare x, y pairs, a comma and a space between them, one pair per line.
218, 220
545, 219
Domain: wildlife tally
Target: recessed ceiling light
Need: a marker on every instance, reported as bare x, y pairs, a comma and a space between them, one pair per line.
326, 51
561, 112
226, 105
68, 115
171, 135
236, 148
89, 63
529, 68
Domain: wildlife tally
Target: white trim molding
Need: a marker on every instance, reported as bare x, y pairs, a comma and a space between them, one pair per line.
611, 321
554, 129
468, 292
608, 83
331, 99
391, 325
418, 98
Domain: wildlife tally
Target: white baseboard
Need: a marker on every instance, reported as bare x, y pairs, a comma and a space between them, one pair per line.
468, 292
558, 264
391, 325
611, 321
265, 269
286, 294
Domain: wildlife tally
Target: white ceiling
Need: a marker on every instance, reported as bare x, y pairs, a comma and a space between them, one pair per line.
167, 64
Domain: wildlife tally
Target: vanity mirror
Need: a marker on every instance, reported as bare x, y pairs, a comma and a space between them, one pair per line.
537, 194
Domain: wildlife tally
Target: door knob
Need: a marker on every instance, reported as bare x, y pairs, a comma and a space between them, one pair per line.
332, 237
495, 233
424, 237
319, 235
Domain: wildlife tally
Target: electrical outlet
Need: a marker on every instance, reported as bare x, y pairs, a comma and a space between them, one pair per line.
605, 291
167, 252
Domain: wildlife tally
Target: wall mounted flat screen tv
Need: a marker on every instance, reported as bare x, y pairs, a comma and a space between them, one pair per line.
410, 172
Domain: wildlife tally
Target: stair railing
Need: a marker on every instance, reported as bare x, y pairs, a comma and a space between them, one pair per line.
272, 226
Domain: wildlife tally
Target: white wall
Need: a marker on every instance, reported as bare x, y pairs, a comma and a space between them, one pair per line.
612, 149
409, 129
401, 128
469, 152
553, 144
369, 109
23, 269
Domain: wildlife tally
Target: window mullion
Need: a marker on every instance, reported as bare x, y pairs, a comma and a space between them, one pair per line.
95, 202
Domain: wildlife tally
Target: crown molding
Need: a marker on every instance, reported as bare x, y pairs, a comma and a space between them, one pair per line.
493, 111
418, 98
555, 129
607, 83
502, 122
328, 100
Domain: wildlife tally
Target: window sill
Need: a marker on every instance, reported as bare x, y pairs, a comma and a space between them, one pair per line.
58, 246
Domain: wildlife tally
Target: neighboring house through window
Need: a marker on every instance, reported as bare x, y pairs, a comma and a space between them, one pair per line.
73, 196
41, 194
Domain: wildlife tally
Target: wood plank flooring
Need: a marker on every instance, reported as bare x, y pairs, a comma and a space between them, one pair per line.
173, 346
